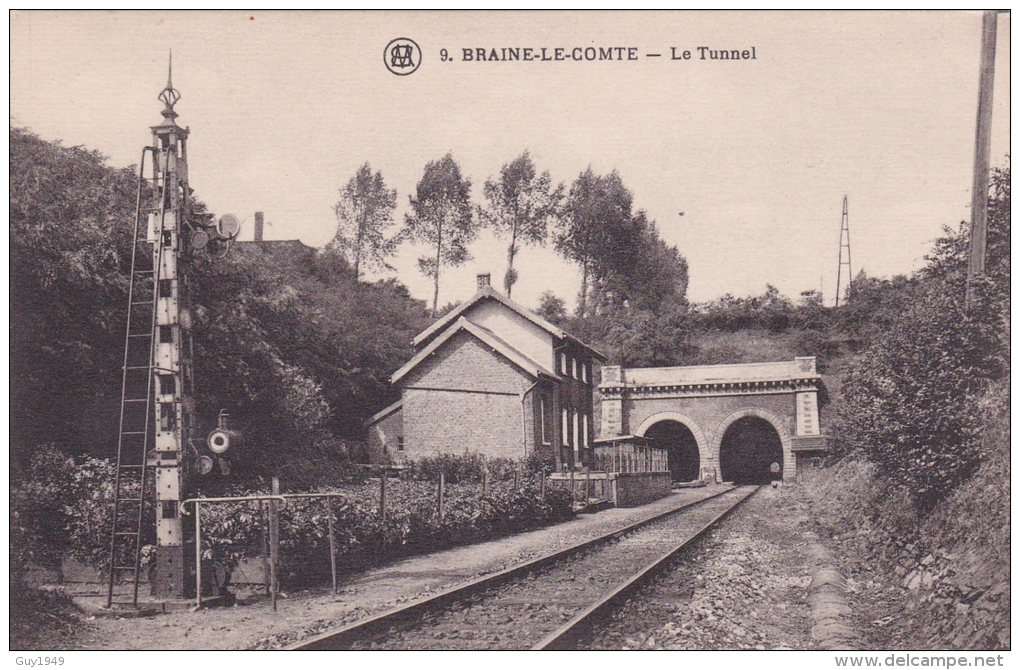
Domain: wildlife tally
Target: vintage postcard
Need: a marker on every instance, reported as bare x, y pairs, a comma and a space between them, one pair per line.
494, 330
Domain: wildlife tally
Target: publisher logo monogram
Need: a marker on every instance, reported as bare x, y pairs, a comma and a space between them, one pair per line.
402, 56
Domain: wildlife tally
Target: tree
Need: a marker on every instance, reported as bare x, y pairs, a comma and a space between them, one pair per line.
298, 351
70, 248
595, 207
520, 205
364, 212
285, 337
552, 309
441, 217
911, 403
645, 271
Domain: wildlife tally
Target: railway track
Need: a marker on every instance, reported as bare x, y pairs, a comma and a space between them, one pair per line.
553, 602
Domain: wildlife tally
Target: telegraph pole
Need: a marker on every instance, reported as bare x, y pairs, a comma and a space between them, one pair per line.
982, 149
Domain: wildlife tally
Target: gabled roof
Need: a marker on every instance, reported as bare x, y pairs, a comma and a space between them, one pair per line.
379, 416
488, 293
486, 337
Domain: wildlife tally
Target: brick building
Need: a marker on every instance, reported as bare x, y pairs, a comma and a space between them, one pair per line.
493, 378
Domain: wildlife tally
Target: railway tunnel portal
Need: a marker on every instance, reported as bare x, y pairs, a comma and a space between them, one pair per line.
736, 423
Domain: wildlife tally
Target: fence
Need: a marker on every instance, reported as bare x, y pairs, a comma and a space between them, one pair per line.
271, 544
586, 486
462, 511
630, 457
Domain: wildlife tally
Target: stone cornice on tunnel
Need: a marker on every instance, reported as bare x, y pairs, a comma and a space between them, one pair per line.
796, 376
710, 389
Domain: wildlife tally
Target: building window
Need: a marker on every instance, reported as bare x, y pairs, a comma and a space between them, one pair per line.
566, 432
400, 443
577, 443
584, 372
542, 419
563, 363
585, 442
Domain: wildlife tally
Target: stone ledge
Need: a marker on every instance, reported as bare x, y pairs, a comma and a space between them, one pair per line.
832, 628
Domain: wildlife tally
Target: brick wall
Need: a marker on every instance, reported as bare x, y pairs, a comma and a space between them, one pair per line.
640, 488
465, 363
446, 422
466, 397
709, 412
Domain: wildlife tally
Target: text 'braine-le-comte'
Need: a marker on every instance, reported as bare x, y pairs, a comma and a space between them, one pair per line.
582, 54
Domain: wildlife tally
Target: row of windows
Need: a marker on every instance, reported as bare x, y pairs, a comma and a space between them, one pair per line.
580, 432
581, 426
569, 367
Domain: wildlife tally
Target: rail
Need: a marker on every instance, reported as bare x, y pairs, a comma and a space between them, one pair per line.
348, 636
581, 628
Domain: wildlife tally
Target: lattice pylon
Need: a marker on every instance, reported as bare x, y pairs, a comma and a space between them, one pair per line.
844, 243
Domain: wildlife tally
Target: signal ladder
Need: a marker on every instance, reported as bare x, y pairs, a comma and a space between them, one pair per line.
134, 494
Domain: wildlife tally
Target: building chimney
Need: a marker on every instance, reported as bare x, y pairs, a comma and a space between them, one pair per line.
258, 226
483, 281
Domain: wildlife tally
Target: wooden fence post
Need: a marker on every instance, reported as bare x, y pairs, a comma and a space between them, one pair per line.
439, 497
543, 482
517, 477
274, 544
382, 495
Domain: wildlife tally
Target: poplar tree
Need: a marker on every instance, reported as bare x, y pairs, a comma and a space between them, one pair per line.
441, 216
595, 208
520, 205
364, 212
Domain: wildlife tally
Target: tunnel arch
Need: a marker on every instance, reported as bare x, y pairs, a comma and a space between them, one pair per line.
683, 440
747, 442
681, 447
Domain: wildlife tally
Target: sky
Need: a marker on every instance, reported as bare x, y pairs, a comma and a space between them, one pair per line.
758, 153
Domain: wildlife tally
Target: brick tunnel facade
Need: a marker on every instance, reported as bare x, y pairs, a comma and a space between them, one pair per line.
720, 406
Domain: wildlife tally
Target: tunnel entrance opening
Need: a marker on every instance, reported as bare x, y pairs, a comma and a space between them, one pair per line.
749, 448
681, 448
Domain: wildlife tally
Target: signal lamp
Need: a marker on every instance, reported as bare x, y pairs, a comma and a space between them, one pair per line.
203, 465
228, 226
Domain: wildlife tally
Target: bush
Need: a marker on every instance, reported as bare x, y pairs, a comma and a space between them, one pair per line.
909, 401
953, 565
852, 500
471, 467
64, 505
363, 539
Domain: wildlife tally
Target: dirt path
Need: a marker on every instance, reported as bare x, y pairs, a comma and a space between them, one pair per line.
744, 586
300, 615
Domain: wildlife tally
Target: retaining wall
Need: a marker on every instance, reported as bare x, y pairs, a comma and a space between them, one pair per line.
640, 488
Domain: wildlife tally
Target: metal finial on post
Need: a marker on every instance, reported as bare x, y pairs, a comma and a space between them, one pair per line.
170, 95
